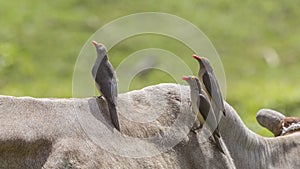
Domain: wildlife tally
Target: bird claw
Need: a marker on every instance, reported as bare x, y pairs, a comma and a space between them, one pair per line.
194, 129
101, 97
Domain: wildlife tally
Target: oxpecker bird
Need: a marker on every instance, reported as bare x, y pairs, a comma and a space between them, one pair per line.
289, 125
203, 109
106, 81
211, 86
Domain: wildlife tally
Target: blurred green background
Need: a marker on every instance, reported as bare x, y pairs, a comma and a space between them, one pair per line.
258, 42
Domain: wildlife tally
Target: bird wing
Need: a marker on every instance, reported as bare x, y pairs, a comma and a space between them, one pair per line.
114, 87
203, 106
207, 112
198, 113
218, 141
212, 86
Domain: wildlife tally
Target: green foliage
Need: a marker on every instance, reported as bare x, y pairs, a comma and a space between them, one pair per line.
39, 44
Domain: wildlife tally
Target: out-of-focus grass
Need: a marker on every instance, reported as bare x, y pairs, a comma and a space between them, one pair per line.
39, 44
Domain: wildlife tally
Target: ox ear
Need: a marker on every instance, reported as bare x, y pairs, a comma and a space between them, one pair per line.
271, 120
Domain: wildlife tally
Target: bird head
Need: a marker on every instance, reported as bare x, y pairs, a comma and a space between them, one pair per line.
96, 44
101, 49
191, 80
204, 62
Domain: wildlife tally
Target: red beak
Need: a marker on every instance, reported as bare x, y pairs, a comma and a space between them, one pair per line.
95, 43
196, 57
184, 78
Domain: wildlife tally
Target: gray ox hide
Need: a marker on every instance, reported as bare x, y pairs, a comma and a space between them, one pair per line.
155, 125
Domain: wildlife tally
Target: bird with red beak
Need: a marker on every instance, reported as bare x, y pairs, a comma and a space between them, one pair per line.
106, 81
210, 84
289, 125
203, 109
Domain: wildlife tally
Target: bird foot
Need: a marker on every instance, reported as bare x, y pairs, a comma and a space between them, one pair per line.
101, 97
194, 129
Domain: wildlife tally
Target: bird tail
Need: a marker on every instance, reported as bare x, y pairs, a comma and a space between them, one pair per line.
114, 115
218, 142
